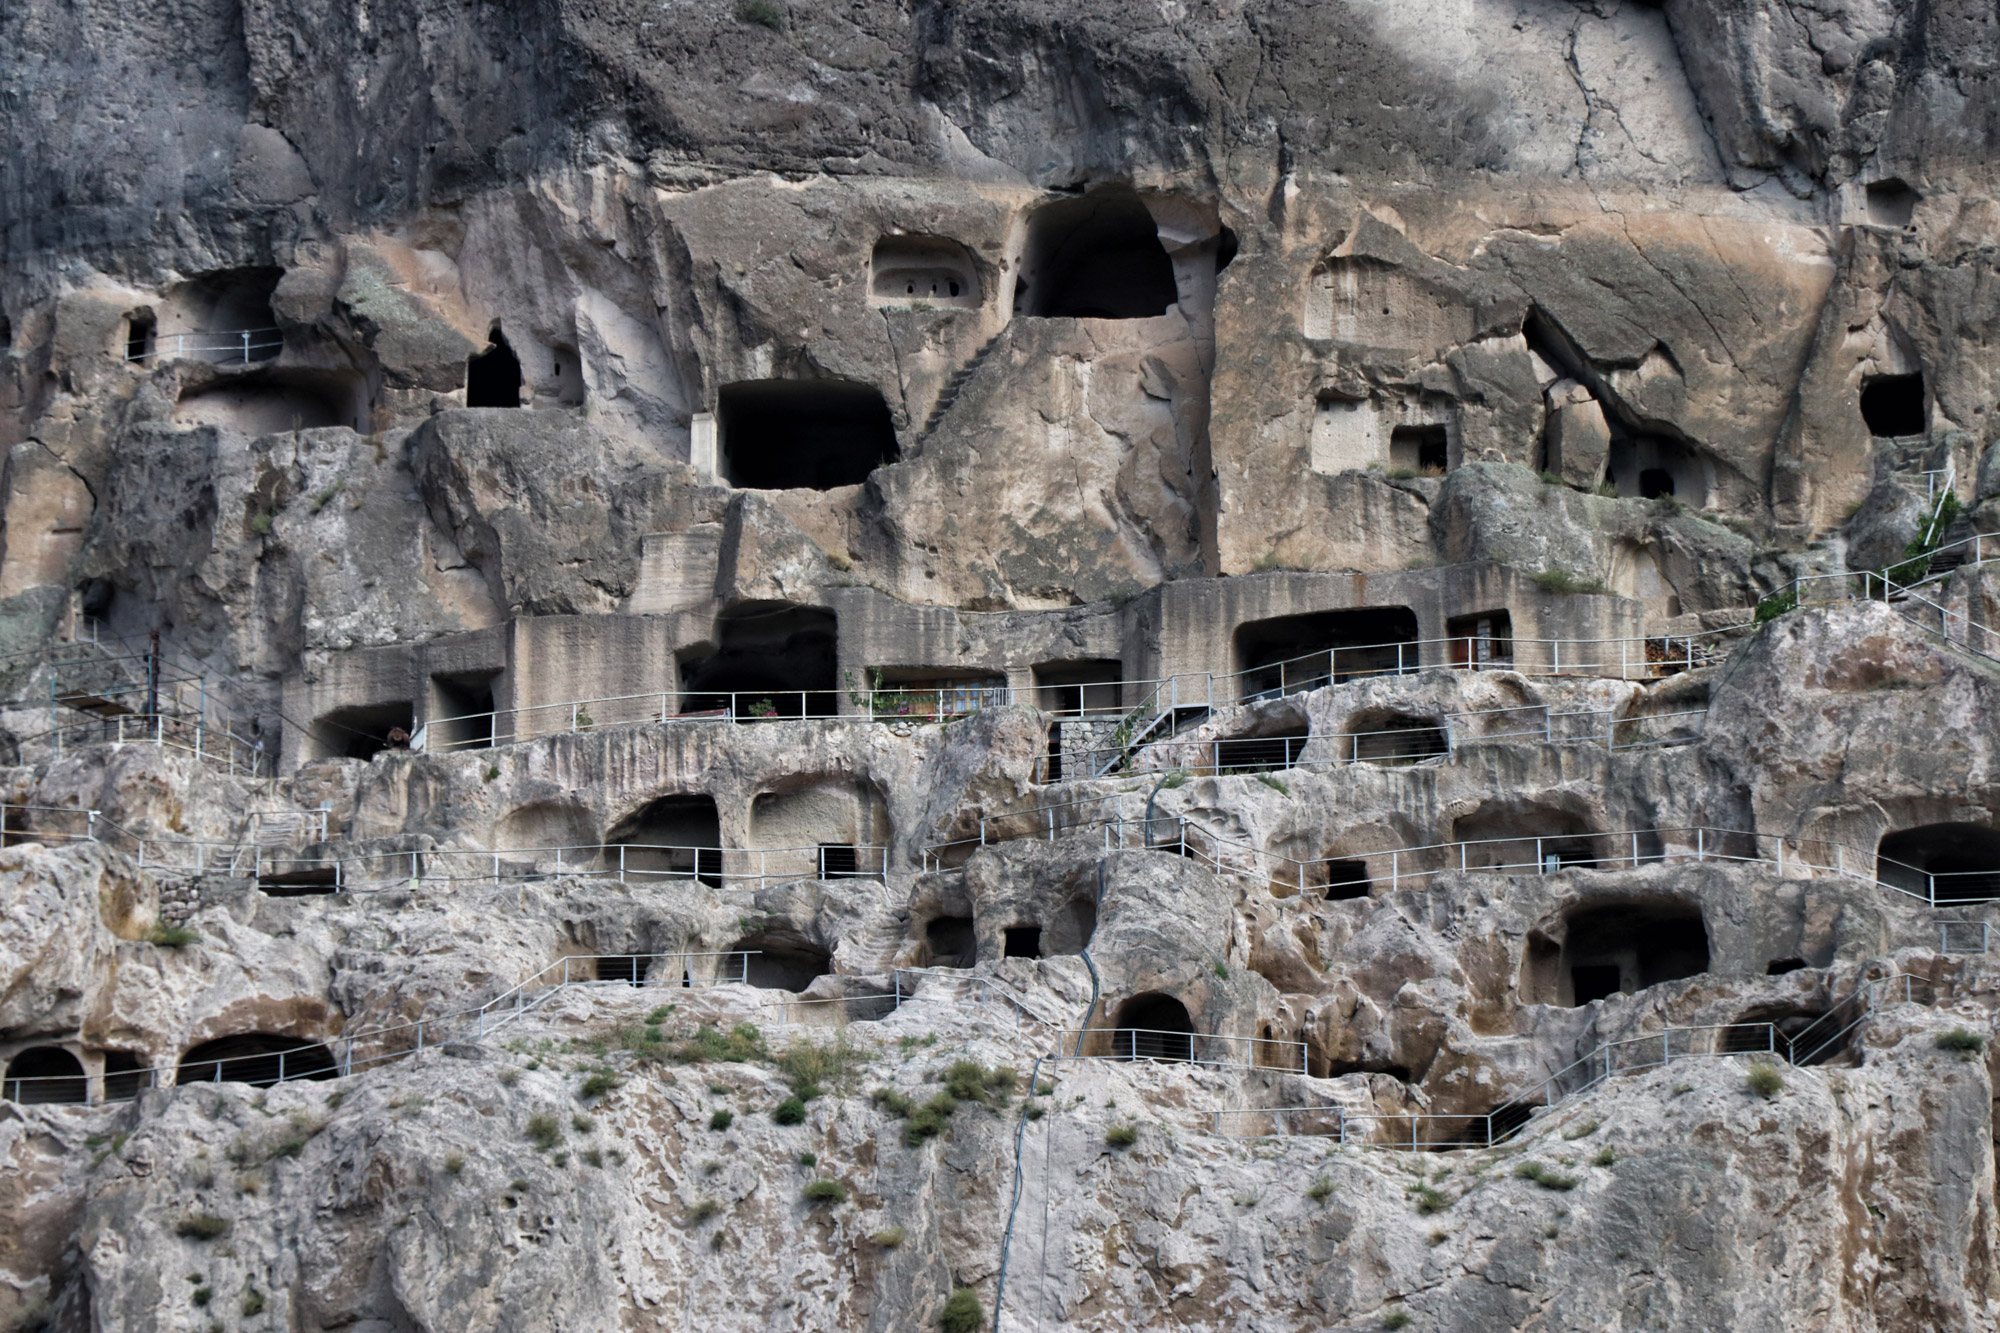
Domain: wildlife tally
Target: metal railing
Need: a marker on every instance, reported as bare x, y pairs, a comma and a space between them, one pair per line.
214, 746
46, 824
1957, 628
1533, 854
1214, 1050
646, 862
241, 345
1437, 736
78, 1089
1419, 1131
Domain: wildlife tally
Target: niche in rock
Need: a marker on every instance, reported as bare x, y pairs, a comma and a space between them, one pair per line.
45, 1076
125, 1073
1894, 406
1346, 880
932, 270
362, 731
951, 941
461, 711
1078, 689
1652, 466
1287, 654
782, 959
1073, 927
1484, 639
1891, 203
1022, 942
1947, 863
141, 333
1152, 1027
1096, 257
1804, 1036
275, 402
1617, 949
1418, 449
1509, 835
775, 660
1281, 748
673, 837
1385, 736
261, 1058
221, 307
493, 378
802, 434
568, 374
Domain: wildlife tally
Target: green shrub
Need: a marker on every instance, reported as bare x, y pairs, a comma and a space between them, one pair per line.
1550, 478
597, 1084
741, 1045
1564, 584
1429, 1200
454, 1164
1605, 1157
1034, 1110
1777, 604
888, 1238
253, 1302
544, 1131
1545, 1177
1122, 1136
722, 1119
700, 1211
173, 937
808, 1159
929, 1120
790, 1111
1764, 1080
583, 1124
1964, 1042
1321, 1190
970, 1081
201, 1226
203, 1295
808, 1068
825, 1190
492, 772
593, 1157
895, 1103
1274, 784
962, 1313
1396, 1318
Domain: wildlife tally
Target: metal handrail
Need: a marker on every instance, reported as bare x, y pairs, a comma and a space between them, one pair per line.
1158, 1039
244, 342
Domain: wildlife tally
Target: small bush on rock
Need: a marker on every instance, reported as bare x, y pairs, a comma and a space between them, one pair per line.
201, 1226
824, 1190
1963, 1042
742, 1045
1396, 1318
598, 1084
173, 937
1121, 1136
763, 13
544, 1131
790, 1111
888, 1238
1765, 1080
962, 1312
722, 1119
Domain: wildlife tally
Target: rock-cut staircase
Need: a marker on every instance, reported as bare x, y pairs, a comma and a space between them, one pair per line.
956, 384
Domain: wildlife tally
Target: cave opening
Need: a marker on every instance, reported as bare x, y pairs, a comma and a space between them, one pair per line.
1947, 863
1482, 640
258, 1058
1022, 942
462, 712
1346, 880
1617, 949
1892, 203
952, 941
1153, 1026
1388, 736
781, 960
802, 434
1250, 754
670, 837
125, 1074
1418, 449
775, 660
1095, 257
1893, 405
362, 731
1286, 654
493, 378
45, 1076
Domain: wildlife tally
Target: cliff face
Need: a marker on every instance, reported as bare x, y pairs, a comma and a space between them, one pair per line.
991, 663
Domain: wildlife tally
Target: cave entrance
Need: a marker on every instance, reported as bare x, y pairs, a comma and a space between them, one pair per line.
776, 660
1653, 466
1621, 949
1346, 879
952, 941
1022, 942
45, 1076
1287, 654
1484, 639
260, 1058
1418, 449
1507, 836
622, 969
1893, 405
1096, 257
493, 378
839, 860
141, 330
782, 960
1794, 1033
1947, 863
673, 837
462, 709
1153, 1027
362, 731
125, 1074
802, 434
1388, 737
1891, 203
1252, 754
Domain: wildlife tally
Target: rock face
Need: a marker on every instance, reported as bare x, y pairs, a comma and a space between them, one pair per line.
995, 664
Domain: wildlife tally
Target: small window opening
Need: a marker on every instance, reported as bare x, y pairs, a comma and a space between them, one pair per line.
1153, 1027
629, 969
1096, 257
258, 1058
803, 434
839, 861
139, 336
952, 941
125, 1075
45, 1076
493, 378
1079, 689
1023, 942
1395, 738
1346, 880
1655, 482
1893, 405
1287, 654
1891, 203
1778, 967
1418, 448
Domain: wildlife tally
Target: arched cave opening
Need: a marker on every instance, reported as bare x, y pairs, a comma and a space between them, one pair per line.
1894, 406
670, 837
781, 959
951, 941
622, 969
931, 270
1947, 863
1616, 949
259, 1058
1153, 1026
1287, 654
1792, 1032
1095, 257
802, 434
1511, 835
1346, 880
1388, 736
493, 378
126, 1073
776, 660
1250, 754
45, 1076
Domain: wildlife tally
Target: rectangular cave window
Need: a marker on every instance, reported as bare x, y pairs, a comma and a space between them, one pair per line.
1346, 879
139, 336
1079, 689
1023, 942
462, 712
839, 861
1893, 405
1891, 203
1287, 654
803, 434
1485, 639
1417, 449
365, 730
932, 692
